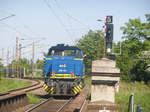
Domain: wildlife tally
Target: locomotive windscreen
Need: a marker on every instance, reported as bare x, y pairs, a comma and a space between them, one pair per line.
61, 50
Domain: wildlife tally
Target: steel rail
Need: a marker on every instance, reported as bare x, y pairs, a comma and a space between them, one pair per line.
81, 109
42, 103
36, 106
60, 109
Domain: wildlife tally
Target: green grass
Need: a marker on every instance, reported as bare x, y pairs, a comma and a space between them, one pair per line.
33, 98
141, 95
87, 81
10, 84
35, 76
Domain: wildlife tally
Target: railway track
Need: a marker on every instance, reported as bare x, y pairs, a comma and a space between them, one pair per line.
73, 104
13, 99
50, 105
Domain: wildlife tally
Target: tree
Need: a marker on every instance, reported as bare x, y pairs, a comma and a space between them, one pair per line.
137, 35
139, 72
137, 30
22, 63
40, 64
131, 50
92, 45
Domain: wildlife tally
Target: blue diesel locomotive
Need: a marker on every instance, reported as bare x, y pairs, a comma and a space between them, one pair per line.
64, 70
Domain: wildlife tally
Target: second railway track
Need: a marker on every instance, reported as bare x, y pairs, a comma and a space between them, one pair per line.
13, 99
35, 85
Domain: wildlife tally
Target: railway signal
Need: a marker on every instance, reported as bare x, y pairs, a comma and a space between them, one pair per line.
109, 33
109, 19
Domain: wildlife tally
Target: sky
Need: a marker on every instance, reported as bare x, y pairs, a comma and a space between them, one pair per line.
50, 22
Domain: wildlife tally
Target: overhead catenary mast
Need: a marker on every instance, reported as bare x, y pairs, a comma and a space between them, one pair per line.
33, 54
7, 70
17, 56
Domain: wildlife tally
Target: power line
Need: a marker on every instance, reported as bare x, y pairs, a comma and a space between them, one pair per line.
58, 18
25, 26
86, 27
70, 16
7, 17
15, 29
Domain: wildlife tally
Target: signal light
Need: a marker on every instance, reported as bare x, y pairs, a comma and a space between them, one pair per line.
109, 35
109, 31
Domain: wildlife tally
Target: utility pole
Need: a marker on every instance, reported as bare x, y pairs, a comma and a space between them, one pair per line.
12, 64
2, 59
19, 62
2, 54
17, 56
33, 54
17, 48
7, 69
20, 47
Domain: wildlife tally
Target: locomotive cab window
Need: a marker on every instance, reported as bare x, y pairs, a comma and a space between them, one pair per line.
76, 53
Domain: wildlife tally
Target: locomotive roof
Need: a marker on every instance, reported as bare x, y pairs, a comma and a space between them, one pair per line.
61, 47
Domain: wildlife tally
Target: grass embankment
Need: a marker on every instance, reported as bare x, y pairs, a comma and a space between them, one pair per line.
34, 99
141, 95
34, 76
10, 84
